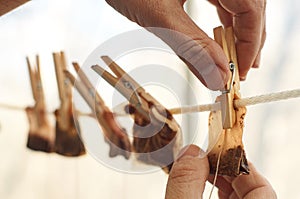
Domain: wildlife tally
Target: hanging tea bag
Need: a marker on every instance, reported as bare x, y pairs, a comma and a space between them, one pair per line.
41, 134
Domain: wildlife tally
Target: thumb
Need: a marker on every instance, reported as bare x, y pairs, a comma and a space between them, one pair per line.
188, 175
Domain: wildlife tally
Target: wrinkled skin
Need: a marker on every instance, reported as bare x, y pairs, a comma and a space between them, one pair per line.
246, 16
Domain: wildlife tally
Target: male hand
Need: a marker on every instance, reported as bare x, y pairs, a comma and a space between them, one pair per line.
190, 172
204, 57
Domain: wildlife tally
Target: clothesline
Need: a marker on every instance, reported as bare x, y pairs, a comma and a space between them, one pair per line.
260, 99
12, 107
20, 108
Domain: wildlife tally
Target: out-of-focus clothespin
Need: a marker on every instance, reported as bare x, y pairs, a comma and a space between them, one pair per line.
225, 38
127, 86
64, 90
134, 93
67, 140
115, 135
36, 83
41, 134
89, 88
154, 126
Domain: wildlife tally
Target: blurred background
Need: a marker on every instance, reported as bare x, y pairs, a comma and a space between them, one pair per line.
271, 134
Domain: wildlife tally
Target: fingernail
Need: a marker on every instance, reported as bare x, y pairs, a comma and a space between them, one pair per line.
243, 78
191, 150
202, 154
181, 152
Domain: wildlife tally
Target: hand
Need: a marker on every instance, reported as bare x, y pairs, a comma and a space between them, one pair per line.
190, 172
248, 20
203, 56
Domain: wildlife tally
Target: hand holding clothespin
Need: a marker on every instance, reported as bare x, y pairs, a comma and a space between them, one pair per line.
154, 126
67, 140
41, 134
115, 136
226, 151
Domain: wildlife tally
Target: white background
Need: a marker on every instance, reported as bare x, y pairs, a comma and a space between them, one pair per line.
271, 134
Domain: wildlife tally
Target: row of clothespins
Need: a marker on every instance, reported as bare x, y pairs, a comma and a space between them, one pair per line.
64, 140
157, 136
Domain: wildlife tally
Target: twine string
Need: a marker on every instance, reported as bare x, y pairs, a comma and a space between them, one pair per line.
260, 99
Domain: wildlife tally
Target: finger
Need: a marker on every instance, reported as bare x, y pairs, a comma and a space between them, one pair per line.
224, 16
228, 179
201, 57
252, 186
258, 58
256, 63
204, 57
222, 195
248, 20
222, 184
188, 175
233, 195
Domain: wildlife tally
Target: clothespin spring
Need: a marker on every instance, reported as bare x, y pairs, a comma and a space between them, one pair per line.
232, 70
128, 85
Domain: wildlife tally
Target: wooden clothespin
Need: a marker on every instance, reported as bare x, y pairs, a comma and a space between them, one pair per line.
225, 38
88, 85
64, 90
41, 134
115, 136
36, 82
67, 140
226, 150
154, 128
127, 86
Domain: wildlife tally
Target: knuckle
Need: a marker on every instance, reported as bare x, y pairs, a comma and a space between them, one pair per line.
193, 49
259, 5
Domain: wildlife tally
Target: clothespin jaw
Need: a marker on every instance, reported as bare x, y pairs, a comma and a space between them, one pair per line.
33, 80
89, 94
225, 38
127, 86
90, 88
36, 82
